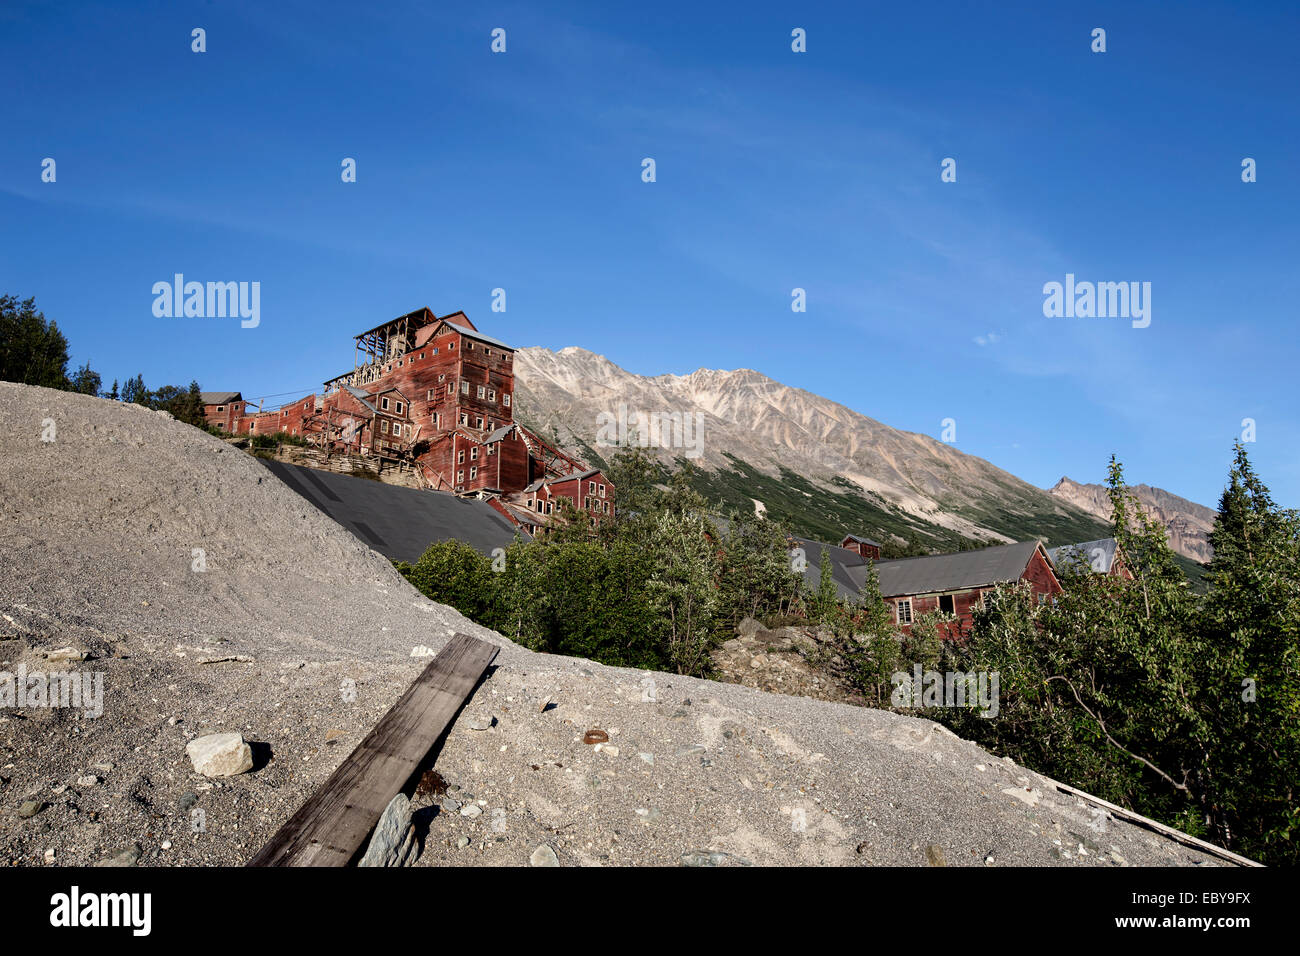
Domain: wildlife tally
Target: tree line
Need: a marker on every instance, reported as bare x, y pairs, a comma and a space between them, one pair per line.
1182, 706
34, 351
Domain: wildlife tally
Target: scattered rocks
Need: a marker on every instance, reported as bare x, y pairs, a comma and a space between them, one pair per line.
393, 842
30, 808
220, 755
543, 856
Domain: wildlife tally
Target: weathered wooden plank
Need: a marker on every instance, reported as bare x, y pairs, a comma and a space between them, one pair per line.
1176, 835
330, 828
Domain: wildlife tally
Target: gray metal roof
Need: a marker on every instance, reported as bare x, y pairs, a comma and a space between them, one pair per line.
862, 540
954, 572
845, 568
497, 435
1099, 554
399, 523
362, 396
479, 335
219, 398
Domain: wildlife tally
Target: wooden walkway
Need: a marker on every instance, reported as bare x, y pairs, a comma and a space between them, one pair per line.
331, 827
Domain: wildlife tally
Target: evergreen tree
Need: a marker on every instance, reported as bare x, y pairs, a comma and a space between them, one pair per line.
32, 350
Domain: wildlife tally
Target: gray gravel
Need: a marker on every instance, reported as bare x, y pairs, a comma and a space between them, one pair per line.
307, 635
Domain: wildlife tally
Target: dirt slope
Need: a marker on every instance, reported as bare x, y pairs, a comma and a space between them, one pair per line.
98, 531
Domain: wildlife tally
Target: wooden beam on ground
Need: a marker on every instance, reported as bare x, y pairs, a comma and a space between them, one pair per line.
331, 827
1176, 835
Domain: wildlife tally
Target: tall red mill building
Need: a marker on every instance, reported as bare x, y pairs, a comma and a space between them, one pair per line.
438, 394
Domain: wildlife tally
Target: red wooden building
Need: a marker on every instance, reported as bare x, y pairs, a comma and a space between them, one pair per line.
861, 546
956, 583
223, 410
437, 393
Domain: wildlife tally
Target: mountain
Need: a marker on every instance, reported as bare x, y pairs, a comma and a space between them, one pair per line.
825, 468
1188, 523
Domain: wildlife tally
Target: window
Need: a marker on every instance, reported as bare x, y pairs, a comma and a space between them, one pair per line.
492, 394
429, 396
221, 408
506, 397
442, 376
550, 507
481, 391
602, 491
421, 355
538, 503
947, 604
491, 449
605, 507
478, 422
383, 403
905, 611
460, 477
473, 454
464, 386
473, 472
591, 487
436, 416
470, 346
460, 457
464, 419
384, 426
451, 388
399, 407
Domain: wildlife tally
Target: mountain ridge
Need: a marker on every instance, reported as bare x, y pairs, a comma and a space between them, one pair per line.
758, 431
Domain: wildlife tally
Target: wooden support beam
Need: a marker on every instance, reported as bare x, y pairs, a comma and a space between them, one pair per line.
331, 827
1177, 836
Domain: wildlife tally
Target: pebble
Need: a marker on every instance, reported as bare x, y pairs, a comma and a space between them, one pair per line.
462, 842
66, 654
451, 806
470, 810
166, 844
126, 857
422, 650
87, 781
648, 758
30, 808
480, 723
543, 856
393, 842
49, 855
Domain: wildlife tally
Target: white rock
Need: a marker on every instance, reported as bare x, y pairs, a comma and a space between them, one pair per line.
543, 856
422, 650
66, 654
220, 755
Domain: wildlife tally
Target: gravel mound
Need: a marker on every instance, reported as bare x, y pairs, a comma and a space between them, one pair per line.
210, 598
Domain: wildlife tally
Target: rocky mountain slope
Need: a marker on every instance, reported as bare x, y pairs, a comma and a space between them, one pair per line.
293, 632
1188, 523
827, 468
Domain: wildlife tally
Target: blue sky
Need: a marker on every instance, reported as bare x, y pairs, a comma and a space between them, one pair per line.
775, 170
